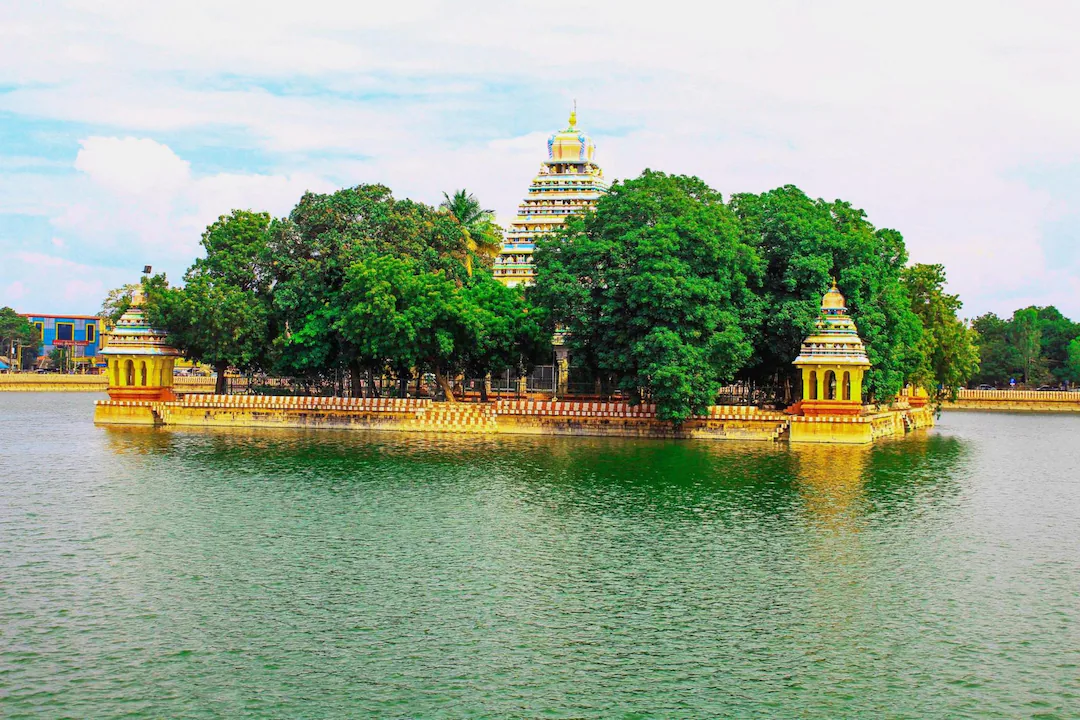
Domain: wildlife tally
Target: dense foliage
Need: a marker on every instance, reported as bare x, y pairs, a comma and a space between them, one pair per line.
665, 291
806, 243
949, 348
17, 332
654, 290
354, 280
1036, 345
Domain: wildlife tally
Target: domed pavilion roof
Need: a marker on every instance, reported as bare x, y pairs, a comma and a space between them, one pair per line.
835, 340
133, 334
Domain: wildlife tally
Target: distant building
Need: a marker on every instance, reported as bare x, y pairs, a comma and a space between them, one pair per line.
569, 183
81, 333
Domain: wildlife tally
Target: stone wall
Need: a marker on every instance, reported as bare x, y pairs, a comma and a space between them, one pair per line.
59, 382
504, 416
52, 382
1016, 401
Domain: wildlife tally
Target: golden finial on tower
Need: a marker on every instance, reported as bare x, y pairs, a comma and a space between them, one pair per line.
573, 116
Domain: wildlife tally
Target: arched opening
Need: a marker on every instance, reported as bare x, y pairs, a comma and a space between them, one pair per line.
129, 373
142, 373
115, 373
813, 385
847, 385
830, 385
161, 376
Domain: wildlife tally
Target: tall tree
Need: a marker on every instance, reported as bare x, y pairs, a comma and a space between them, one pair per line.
313, 252
505, 331
1072, 362
1025, 335
950, 354
483, 237
805, 243
652, 288
115, 304
221, 316
998, 359
17, 332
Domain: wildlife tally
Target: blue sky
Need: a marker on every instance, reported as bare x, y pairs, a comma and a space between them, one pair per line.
126, 127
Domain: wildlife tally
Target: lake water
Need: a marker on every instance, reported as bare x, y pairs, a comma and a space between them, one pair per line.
160, 573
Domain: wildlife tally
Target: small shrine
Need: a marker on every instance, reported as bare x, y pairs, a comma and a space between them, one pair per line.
140, 361
832, 360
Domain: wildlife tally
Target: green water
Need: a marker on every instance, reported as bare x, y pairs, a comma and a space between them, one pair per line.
153, 573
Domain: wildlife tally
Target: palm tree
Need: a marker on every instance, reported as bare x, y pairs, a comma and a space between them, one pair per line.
482, 236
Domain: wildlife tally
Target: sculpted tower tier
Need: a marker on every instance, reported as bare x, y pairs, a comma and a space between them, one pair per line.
569, 183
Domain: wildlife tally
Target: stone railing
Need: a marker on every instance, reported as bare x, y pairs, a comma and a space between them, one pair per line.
1039, 395
286, 402
52, 382
1016, 401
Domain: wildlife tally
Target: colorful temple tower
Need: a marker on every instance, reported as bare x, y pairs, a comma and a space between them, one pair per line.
569, 183
833, 360
139, 361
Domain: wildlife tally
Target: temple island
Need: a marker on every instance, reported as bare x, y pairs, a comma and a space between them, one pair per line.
832, 361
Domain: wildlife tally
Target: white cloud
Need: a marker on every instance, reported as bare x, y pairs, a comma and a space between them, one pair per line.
922, 113
135, 166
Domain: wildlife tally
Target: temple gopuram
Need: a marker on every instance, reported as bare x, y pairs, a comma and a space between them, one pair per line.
569, 183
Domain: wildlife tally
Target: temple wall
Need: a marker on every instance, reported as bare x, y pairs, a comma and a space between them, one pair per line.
503, 417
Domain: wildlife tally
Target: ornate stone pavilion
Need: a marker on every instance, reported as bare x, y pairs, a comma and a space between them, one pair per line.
833, 360
140, 362
569, 182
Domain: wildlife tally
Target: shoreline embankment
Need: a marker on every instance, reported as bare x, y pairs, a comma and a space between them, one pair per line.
1015, 401
61, 382
512, 417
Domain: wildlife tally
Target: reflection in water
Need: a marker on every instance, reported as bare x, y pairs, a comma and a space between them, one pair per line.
217, 573
831, 483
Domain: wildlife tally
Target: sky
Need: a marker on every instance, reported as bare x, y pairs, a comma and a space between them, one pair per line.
126, 127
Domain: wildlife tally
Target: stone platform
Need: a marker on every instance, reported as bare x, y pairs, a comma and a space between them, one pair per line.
515, 417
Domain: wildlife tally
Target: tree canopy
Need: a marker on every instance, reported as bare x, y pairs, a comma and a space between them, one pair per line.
804, 244
949, 349
653, 289
353, 280
664, 291
221, 314
1032, 347
17, 332
483, 238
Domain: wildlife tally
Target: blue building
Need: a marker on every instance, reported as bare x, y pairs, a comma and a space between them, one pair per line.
81, 333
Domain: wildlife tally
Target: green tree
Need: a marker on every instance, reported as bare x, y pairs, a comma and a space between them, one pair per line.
1072, 362
312, 253
652, 288
221, 314
506, 331
17, 332
998, 359
1056, 332
396, 316
115, 304
60, 358
483, 238
950, 353
1025, 335
806, 243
